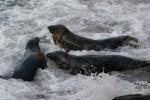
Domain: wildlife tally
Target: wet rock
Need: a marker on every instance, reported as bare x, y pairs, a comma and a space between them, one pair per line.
133, 97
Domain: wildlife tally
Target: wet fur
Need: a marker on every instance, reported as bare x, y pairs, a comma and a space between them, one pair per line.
89, 64
69, 41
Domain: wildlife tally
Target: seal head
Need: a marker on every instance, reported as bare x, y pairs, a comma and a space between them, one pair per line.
58, 57
33, 44
57, 29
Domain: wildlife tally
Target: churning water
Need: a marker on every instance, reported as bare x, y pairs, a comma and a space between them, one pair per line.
20, 20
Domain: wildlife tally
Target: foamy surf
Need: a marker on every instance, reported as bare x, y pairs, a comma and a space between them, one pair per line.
21, 20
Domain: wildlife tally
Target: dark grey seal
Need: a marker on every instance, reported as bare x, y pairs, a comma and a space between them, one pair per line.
32, 60
89, 64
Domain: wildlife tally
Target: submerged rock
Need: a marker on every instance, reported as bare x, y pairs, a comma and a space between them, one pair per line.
133, 97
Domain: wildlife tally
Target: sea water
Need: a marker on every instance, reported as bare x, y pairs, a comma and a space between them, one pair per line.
21, 20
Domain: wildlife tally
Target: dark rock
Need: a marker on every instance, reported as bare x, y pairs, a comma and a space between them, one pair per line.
133, 97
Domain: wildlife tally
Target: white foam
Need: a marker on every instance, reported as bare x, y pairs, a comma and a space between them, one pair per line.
95, 19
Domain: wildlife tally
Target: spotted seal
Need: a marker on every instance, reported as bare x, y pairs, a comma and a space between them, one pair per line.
66, 39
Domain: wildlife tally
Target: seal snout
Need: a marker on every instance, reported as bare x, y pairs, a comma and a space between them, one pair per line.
51, 29
54, 28
49, 55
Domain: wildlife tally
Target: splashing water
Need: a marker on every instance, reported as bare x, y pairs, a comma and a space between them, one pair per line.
21, 20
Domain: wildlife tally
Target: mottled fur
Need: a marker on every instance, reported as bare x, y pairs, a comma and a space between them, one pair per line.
69, 41
33, 60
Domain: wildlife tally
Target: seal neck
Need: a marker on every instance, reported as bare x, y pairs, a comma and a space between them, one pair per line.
34, 50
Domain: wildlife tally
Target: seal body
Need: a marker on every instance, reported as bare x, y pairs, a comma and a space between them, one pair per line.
33, 59
69, 41
89, 64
